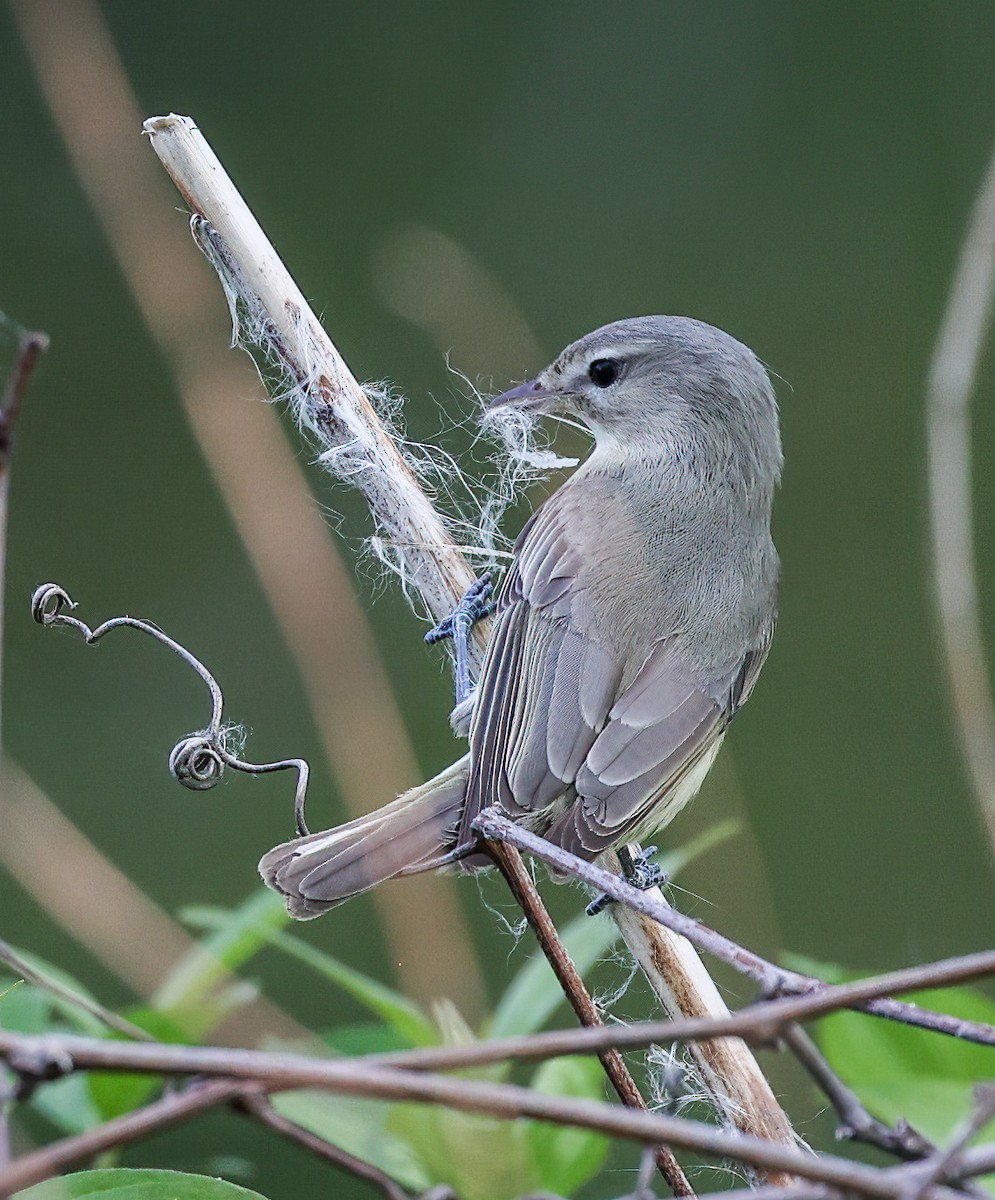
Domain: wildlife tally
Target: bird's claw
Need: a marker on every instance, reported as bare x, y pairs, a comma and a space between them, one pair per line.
644, 874
637, 870
475, 604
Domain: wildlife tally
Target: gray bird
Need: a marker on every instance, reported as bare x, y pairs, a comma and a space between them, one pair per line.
631, 626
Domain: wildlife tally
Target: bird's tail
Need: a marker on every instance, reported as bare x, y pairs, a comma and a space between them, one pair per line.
321, 870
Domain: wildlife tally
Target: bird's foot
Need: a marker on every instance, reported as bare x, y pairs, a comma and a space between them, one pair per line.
637, 870
475, 604
473, 607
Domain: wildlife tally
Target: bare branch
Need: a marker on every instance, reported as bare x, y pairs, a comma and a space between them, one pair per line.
856, 1123
47, 1056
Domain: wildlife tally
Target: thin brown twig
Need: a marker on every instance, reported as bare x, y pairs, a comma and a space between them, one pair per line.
761, 1023
773, 980
170, 1109
20, 966
29, 349
940, 1165
50, 1056
950, 385
255, 1105
856, 1123
520, 883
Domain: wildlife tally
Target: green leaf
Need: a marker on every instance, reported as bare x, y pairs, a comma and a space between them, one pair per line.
534, 995
127, 1184
116, 1093
480, 1158
365, 1039
67, 1103
396, 1009
566, 1158
358, 1126
26, 1009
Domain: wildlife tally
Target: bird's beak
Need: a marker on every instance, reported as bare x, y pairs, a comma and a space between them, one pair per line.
527, 395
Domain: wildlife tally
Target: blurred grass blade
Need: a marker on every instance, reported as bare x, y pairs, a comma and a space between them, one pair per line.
191, 994
402, 1014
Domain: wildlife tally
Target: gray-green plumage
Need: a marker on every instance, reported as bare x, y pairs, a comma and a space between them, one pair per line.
634, 620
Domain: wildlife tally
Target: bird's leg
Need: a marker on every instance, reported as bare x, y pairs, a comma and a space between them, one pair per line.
637, 870
473, 607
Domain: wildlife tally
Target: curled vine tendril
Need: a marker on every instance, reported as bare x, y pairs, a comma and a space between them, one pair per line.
199, 760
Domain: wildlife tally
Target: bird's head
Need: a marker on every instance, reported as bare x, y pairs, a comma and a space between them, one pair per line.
647, 381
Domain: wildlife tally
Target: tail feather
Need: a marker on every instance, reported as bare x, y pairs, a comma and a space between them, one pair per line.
321, 870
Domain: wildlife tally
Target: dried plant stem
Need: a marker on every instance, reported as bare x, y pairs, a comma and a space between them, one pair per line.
727, 1065
334, 400
339, 410
952, 375
525, 892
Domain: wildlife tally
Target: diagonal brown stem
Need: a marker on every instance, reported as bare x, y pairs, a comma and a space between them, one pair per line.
510, 863
257, 1106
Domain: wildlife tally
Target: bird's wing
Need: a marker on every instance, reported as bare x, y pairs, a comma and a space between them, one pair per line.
552, 722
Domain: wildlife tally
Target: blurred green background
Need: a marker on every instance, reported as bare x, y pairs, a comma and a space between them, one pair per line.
798, 175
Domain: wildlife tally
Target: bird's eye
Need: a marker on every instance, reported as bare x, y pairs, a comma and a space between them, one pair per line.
603, 372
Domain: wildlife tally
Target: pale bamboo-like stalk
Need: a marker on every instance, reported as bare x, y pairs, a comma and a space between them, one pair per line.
333, 401
726, 1065
337, 408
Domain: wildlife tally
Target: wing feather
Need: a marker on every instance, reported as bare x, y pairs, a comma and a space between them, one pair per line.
556, 734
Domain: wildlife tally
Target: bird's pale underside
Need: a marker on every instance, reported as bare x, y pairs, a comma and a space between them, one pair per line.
631, 625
